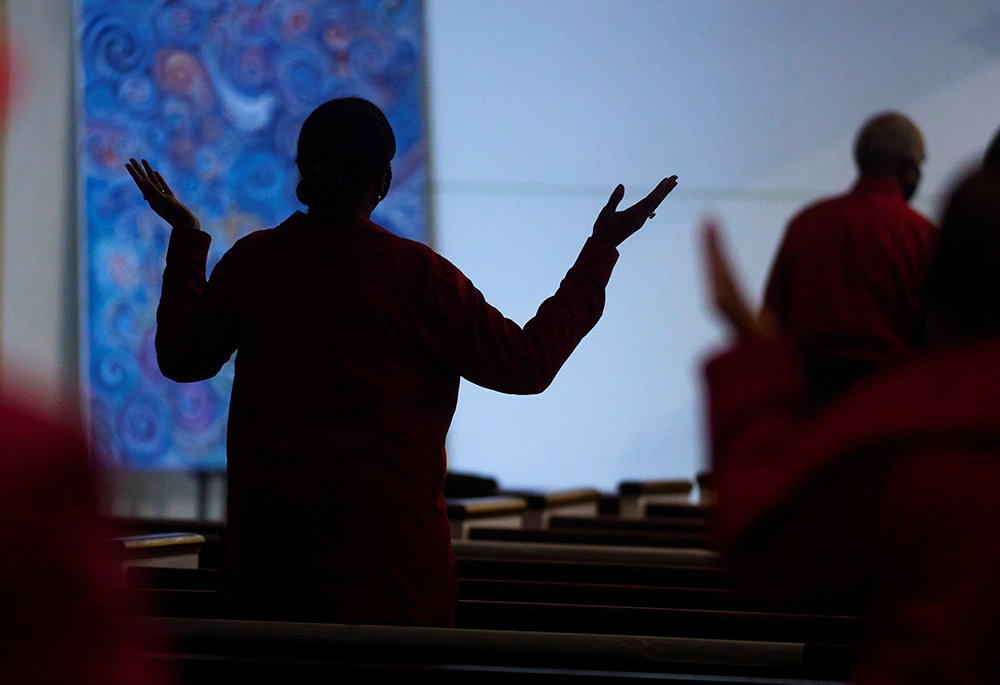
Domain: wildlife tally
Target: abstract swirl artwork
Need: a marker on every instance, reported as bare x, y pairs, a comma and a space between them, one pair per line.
213, 93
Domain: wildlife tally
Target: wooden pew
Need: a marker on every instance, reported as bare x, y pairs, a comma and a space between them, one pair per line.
593, 536
635, 495
676, 510
213, 651
572, 618
576, 609
173, 550
623, 554
465, 515
542, 506
606, 572
498, 589
600, 594
662, 524
471, 570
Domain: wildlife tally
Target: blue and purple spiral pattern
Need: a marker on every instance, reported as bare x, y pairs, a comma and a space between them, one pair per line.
213, 93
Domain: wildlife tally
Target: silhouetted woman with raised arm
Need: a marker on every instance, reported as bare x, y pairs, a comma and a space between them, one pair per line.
351, 342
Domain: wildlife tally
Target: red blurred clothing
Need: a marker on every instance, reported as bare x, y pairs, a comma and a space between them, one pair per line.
883, 503
848, 278
61, 614
351, 345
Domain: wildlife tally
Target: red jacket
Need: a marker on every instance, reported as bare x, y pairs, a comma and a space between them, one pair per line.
848, 278
62, 616
767, 443
351, 342
926, 436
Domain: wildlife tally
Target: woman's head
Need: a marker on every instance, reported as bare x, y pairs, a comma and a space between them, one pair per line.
344, 151
964, 283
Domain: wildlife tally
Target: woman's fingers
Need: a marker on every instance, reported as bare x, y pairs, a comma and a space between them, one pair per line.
151, 175
134, 174
163, 184
616, 197
662, 189
139, 169
141, 181
641, 210
147, 178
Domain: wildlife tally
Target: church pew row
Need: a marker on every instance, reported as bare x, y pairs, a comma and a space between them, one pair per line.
553, 592
134, 549
598, 572
634, 496
213, 650
656, 510
484, 569
581, 535
571, 618
533, 511
496, 512
514, 615
542, 506
661, 524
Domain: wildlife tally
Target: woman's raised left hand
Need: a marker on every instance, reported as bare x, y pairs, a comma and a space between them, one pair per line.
161, 199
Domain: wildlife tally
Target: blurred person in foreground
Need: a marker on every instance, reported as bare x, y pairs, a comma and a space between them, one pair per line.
62, 615
849, 275
886, 502
991, 160
350, 343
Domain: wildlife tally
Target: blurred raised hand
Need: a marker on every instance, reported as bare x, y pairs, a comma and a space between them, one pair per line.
727, 297
161, 199
614, 227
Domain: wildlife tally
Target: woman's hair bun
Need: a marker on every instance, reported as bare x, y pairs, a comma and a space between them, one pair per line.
345, 145
320, 183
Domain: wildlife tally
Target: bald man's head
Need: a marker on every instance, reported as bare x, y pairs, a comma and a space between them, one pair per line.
891, 146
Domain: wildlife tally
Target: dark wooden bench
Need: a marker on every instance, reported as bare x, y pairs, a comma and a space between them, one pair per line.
674, 524
634, 495
559, 592
674, 510
553, 592
495, 512
608, 573
542, 506
585, 536
176, 550
572, 618
213, 651
502, 570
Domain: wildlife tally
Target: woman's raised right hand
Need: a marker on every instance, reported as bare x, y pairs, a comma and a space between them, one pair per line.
614, 227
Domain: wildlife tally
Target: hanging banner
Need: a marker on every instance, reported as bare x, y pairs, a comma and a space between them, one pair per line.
213, 93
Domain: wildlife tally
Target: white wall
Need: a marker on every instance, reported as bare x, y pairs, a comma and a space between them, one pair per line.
538, 108
39, 308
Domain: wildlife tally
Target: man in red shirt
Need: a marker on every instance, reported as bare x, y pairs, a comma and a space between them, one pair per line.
351, 342
883, 504
849, 275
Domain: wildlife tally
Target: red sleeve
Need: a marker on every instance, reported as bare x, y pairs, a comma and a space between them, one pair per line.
454, 320
195, 322
758, 404
776, 296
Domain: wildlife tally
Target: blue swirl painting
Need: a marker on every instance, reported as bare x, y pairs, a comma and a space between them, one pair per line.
213, 93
